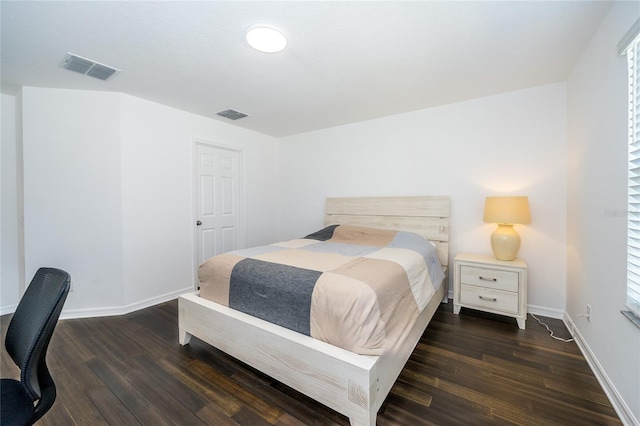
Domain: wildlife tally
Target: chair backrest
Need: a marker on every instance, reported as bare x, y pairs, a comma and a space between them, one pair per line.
32, 326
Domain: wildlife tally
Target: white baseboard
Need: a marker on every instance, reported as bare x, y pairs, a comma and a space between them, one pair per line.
122, 310
622, 409
545, 312
8, 309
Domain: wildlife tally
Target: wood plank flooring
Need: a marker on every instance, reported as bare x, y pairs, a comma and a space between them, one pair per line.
468, 369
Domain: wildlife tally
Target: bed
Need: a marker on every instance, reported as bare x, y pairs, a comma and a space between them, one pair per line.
352, 384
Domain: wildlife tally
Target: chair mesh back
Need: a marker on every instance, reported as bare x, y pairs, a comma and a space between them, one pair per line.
33, 322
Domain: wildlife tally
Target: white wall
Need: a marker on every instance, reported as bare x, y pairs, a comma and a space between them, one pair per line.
108, 194
72, 205
513, 143
9, 276
597, 204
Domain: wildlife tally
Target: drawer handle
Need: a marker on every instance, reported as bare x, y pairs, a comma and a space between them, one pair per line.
490, 299
488, 279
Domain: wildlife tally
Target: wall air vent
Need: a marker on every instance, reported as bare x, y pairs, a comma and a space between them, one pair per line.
88, 67
232, 114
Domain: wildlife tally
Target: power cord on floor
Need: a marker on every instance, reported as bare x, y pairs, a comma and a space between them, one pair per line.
549, 330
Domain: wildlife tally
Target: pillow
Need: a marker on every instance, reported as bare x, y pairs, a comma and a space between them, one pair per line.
323, 234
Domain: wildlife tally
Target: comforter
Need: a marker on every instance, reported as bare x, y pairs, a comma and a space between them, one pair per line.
357, 288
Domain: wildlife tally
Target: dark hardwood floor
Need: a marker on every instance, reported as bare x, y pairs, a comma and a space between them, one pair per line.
470, 369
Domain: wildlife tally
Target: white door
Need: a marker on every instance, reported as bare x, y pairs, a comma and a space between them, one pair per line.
218, 201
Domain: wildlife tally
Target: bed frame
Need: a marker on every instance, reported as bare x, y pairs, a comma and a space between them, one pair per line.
354, 385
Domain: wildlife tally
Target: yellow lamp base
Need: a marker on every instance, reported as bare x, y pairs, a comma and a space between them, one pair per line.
505, 242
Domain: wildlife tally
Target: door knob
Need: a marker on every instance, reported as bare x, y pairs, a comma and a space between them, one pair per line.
198, 223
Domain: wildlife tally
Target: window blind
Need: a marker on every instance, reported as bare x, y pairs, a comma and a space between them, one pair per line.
633, 233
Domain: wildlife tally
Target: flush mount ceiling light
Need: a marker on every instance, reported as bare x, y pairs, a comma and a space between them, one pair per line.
266, 39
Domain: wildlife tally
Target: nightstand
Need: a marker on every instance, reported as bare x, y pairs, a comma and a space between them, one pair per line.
487, 284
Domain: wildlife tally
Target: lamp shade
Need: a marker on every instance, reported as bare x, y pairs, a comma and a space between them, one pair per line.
507, 210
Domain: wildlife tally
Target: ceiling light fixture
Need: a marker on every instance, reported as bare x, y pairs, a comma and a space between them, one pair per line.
266, 39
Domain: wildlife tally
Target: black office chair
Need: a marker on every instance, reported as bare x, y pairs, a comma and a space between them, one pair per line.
24, 402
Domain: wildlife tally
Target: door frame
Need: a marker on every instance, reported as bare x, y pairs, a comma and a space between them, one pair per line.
242, 213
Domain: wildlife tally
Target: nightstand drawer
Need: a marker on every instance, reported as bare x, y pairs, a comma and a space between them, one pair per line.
504, 301
489, 278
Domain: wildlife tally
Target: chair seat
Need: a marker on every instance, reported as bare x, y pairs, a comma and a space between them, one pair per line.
15, 405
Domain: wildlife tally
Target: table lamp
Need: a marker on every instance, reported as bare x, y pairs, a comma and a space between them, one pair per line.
506, 211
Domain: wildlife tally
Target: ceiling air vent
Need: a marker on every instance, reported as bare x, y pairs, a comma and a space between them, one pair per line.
232, 114
88, 67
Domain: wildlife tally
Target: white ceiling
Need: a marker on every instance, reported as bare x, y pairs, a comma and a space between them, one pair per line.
345, 62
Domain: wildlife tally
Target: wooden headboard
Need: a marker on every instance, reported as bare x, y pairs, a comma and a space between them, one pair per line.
426, 216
